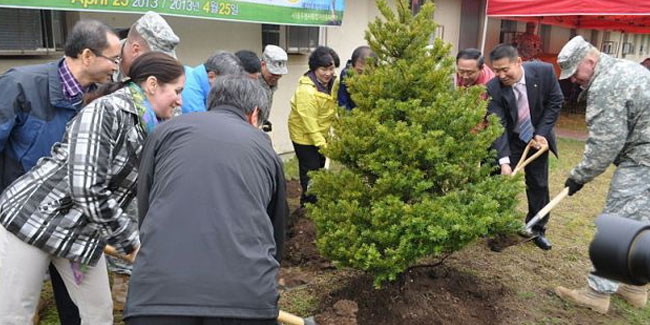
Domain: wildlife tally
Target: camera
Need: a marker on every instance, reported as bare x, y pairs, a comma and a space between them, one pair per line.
621, 249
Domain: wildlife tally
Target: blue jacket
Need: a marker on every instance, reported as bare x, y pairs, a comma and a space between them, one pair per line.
343, 95
197, 88
33, 116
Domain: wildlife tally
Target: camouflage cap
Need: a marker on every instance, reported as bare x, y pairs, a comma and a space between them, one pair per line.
571, 54
276, 59
159, 36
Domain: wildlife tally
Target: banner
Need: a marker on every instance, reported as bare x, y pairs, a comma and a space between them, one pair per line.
286, 12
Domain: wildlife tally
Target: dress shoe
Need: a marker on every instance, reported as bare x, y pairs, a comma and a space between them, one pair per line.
541, 242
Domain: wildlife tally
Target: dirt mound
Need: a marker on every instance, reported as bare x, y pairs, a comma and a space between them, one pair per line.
293, 188
301, 246
442, 295
344, 312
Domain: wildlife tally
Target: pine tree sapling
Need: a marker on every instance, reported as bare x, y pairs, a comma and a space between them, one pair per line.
414, 180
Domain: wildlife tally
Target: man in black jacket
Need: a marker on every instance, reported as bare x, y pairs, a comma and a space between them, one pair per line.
212, 206
527, 98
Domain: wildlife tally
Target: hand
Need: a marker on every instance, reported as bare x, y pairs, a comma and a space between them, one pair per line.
540, 141
131, 257
505, 169
573, 186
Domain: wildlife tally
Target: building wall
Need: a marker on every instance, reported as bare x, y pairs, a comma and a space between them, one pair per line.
200, 38
447, 14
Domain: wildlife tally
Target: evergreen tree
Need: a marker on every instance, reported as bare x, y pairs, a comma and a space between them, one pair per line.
411, 182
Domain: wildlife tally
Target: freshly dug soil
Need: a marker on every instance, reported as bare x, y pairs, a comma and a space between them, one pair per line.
441, 295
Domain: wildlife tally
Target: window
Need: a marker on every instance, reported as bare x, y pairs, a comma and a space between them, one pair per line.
294, 39
609, 47
31, 32
508, 32
628, 48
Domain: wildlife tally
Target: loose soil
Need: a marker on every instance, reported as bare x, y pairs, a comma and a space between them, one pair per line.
438, 295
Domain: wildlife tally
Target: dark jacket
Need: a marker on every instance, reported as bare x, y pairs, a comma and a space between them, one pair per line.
344, 96
212, 207
544, 99
33, 116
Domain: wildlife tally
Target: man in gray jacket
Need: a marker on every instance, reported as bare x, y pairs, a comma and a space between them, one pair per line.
212, 206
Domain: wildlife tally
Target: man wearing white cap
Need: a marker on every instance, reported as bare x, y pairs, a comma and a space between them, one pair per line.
274, 66
618, 117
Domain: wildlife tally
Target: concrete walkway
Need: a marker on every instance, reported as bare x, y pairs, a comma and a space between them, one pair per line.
571, 134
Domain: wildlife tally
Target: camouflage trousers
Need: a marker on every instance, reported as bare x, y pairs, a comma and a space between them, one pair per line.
629, 197
118, 265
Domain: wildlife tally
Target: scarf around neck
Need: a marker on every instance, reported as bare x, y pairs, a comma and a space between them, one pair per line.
148, 118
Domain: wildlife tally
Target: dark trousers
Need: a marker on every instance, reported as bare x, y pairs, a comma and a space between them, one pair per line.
188, 320
536, 181
68, 311
308, 159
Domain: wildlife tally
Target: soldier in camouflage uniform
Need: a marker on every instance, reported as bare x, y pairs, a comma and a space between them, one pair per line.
618, 118
150, 33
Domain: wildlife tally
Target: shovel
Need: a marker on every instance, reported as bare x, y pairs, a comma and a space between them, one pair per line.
292, 319
283, 317
110, 250
544, 211
498, 245
523, 162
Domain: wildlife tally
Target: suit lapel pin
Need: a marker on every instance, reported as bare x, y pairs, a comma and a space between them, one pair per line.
535, 85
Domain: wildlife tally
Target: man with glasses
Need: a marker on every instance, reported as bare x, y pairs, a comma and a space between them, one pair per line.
36, 103
471, 70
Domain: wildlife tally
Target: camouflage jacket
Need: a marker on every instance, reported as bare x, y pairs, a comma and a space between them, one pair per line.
618, 118
270, 90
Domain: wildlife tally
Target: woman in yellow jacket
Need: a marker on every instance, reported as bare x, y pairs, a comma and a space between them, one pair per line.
313, 108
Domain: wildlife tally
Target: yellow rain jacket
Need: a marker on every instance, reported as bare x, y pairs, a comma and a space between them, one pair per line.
312, 113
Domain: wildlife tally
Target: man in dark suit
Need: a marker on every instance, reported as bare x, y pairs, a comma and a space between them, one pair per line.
527, 98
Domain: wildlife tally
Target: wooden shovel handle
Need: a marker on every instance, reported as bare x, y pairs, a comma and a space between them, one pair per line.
290, 319
110, 250
524, 162
523, 156
545, 210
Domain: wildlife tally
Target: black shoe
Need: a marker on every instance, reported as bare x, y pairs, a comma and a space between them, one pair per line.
541, 242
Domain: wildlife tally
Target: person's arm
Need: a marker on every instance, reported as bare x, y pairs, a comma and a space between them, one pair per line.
92, 137
552, 104
501, 144
608, 130
145, 174
307, 109
278, 210
343, 94
12, 99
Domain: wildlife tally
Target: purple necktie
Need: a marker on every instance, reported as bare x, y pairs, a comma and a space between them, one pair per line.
524, 126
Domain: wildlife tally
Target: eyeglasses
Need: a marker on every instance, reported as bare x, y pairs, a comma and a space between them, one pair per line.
115, 60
